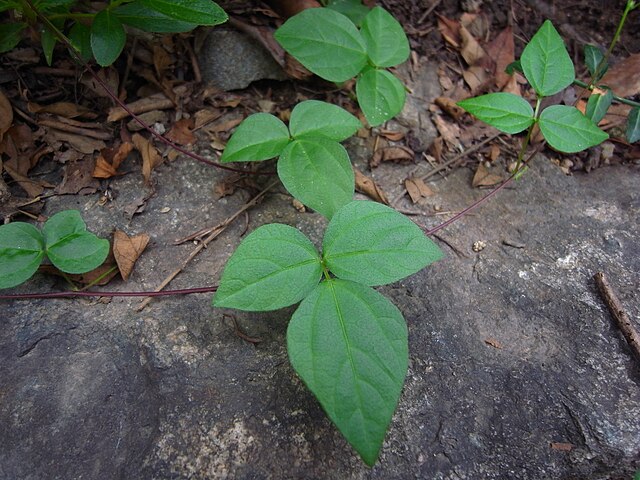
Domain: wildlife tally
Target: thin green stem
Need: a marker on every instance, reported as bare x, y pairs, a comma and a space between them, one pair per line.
99, 279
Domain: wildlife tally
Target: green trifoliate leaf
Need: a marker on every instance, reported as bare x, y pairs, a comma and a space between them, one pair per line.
324, 41
381, 95
353, 9
259, 137
546, 62
80, 37
200, 12
69, 246
567, 130
312, 118
593, 56
348, 343
273, 267
597, 106
507, 112
318, 172
107, 38
387, 45
21, 251
10, 34
140, 16
370, 243
633, 125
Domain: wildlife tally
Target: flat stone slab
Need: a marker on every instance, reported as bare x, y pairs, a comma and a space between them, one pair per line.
516, 369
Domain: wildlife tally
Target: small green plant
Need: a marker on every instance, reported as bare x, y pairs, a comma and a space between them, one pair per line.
64, 239
547, 66
313, 166
101, 34
330, 45
347, 342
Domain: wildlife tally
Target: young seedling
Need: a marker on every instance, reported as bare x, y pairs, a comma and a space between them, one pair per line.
64, 239
330, 45
347, 342
548, 68
102, 35
313, 166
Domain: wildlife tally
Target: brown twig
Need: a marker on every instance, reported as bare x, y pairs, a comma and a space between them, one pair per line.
214, 233
618, 313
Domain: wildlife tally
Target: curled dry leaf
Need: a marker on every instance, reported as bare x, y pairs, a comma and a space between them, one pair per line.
624, 77
449, 106
450, 31
150, 156
502, 51
367, 186
6, 115
484, 178
417, 189
393, 135
450, 132
110, 159
126, 250
471, 50
181, 132
392, 154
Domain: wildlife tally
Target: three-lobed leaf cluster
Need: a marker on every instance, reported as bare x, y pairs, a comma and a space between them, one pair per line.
64, 239
313, 166
330, 45
103, 36
547, 66
347, 342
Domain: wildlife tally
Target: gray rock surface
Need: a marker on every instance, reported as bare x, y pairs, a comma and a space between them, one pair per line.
231, 60
511, 349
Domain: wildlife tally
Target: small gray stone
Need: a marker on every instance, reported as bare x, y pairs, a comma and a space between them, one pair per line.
231, 60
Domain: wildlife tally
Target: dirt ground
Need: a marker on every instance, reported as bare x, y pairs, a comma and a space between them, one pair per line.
517, 370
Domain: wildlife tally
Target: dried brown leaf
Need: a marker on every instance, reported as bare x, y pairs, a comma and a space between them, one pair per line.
502, 51
158, 101
109, 160
484, 178
449, 106
6, 115
81, 143
392, 154
392, 135
624, 77
64, 109
450, 30
126, 250
369, 187
417, 189
181, 132
150, 156
449, 131
562, 446
493, 343
470, 50
78, 179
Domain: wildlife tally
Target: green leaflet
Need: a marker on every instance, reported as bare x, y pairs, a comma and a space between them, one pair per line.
372, 244
69, 246
385, 40
200, 12
317, 171
312, 118
273, 267
107, 38
592, 59
633, 125
597, 106
505, 111
566, 129
259, 137
353, 9
80, 37
10, 34
21, 251
381, 95
348, 343
546, 62
324, 41
140, 16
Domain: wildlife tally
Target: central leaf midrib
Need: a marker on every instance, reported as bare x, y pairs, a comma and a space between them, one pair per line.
345, 335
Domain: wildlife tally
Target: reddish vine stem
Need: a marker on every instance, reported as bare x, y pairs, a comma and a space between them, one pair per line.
122, 105
68, 294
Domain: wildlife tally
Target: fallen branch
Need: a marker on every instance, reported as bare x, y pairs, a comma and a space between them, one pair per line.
618, 313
